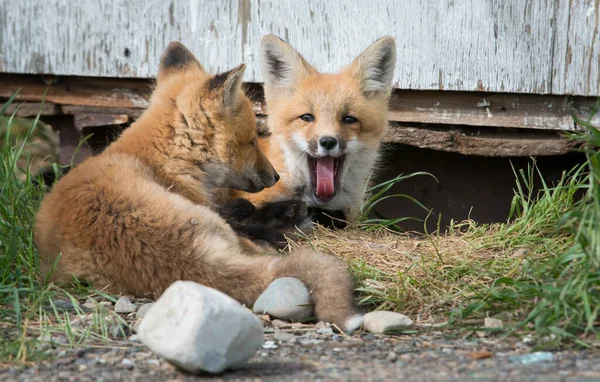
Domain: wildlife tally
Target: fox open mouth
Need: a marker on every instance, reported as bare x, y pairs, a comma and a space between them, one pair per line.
325, 176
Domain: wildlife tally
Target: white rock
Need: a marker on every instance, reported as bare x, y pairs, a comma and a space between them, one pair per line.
286, 298
490, 322
199, 328
381, 322
141, 312
328, 331
124, 305
283, 336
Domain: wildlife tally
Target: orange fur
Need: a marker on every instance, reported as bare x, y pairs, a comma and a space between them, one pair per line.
136, 218
294, 88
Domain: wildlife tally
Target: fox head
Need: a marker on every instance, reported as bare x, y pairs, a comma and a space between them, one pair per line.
328, 126
212, 122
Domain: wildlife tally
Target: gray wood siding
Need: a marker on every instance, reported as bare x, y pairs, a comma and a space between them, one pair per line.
523, 46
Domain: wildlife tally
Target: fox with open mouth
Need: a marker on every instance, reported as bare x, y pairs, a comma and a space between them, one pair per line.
325, 130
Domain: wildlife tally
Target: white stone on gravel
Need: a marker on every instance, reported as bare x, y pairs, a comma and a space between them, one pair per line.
124, 305
327, 331
493, 323
381, 322
141, 312
286, 298
199, 328
283, 336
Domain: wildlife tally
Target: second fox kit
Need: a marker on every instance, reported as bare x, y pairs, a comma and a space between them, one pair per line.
326, 129
134, 219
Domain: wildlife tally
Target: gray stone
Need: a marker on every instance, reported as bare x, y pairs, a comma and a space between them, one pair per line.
141, 312
381, 322
119, 331
327, 331
286, 298
62, 306
124, 305
282, 336
200, 329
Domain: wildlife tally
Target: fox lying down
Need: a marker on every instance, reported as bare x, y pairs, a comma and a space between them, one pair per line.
137, 217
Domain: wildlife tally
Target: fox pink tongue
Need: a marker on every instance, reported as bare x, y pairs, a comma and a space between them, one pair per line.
325, 176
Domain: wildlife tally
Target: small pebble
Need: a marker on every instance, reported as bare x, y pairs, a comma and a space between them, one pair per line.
285, 298
134, 338
269, 345
282, 336
490, 322
62, 305
391, 357
119, 331
367, 337
321, 325
327, 331
89, 306
124, 305
141, 312
536, 357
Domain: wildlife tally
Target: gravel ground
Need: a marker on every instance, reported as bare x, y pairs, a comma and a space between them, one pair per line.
307, 352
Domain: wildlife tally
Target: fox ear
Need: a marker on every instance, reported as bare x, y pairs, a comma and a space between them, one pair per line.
282, 66
175, 58
231, 83
374, 68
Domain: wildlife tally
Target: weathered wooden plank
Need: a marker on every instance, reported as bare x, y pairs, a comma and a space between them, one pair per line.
83, 95
492, 110
484, 143
82, 121
31, 109
452, 45
576, 56
106, 92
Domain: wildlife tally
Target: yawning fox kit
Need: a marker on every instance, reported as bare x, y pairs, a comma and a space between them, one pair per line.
139, 216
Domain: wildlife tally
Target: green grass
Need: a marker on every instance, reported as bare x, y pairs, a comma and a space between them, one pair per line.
27, 302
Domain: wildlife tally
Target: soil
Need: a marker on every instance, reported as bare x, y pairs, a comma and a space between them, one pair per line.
298, 353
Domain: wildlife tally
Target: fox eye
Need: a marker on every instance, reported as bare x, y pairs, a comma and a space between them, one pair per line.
349, 120
307, 117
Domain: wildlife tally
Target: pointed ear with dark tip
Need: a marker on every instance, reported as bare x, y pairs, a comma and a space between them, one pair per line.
175, 58
374, 68
282, 66
230, 83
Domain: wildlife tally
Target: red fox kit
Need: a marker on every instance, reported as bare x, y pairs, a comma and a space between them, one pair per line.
136, 217
326, 129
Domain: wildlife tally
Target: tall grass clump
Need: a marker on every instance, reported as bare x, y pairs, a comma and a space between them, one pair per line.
553, 285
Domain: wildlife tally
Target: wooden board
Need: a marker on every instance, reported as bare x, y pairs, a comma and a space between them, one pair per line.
525, 46
84, 95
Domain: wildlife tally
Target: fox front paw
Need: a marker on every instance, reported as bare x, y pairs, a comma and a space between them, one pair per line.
281, 215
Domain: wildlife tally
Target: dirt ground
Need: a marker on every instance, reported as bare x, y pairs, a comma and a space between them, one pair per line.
300, 353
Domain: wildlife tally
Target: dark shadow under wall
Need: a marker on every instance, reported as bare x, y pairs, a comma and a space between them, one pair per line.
478, 187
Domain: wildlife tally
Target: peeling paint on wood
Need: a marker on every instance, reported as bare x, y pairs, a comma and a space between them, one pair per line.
526, 46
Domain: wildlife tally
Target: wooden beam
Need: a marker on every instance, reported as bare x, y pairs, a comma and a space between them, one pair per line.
70, 90
530, 111
31, 109
91, 120
481, 142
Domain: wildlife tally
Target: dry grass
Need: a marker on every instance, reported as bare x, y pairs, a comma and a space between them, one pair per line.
424, 277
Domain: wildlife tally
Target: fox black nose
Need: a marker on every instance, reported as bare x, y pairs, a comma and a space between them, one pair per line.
328, 142
277, 177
